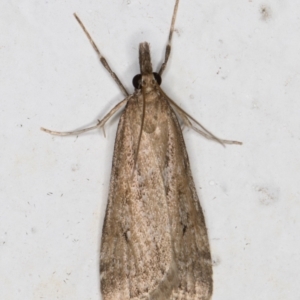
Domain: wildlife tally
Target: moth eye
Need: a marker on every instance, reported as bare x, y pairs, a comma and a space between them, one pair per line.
157, 78
136, 81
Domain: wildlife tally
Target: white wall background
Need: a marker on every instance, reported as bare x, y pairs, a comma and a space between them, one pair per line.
234, 66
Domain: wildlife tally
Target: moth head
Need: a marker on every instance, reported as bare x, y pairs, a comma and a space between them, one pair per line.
140, 80
147, 78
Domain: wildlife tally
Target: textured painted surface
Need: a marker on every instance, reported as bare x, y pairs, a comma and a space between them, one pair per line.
234, 66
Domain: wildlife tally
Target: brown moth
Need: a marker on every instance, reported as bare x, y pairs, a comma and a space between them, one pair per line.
154, 240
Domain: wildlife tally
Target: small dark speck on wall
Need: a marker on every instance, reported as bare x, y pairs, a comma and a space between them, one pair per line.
265, 12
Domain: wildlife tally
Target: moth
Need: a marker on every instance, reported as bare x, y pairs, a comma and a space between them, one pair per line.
154, 240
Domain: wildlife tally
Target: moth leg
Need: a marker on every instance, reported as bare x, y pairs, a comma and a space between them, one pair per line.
210, 136
168, 47
186, 118
102, 58
100, 123
203, 131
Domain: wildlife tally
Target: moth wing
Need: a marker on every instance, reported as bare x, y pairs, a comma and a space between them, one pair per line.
154, 243
137, 258
191, 245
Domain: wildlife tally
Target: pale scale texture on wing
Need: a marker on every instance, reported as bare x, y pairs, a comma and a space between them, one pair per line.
154, 243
